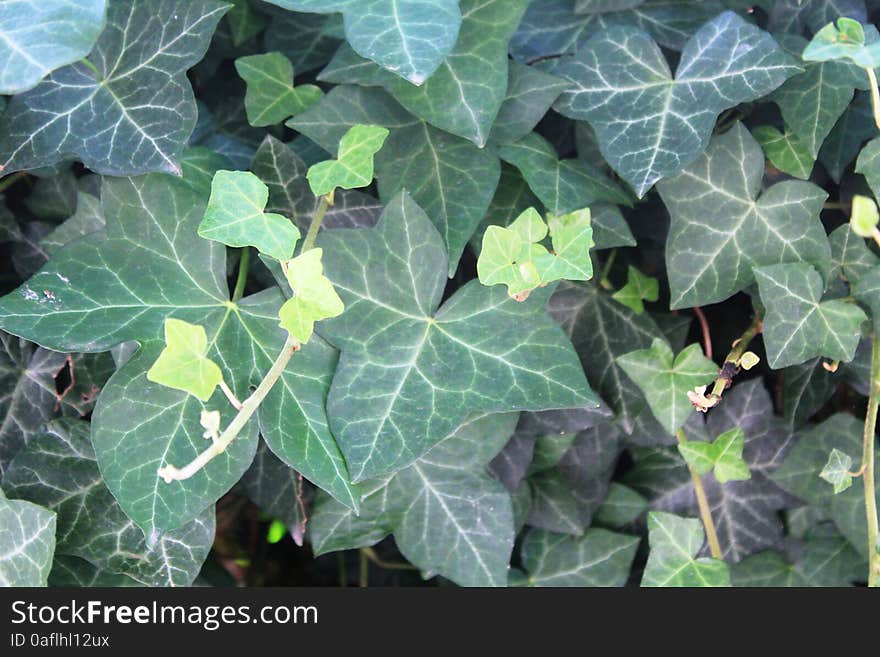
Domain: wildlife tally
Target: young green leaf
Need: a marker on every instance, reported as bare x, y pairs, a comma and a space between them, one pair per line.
665, 380
314, 297
846, 40
571, 235
864, 216
271, 97
354, 164
399, 389
868, 164
723, 455
672, 561
182, 364
235, 216
837, 470
785, 151
508, 255
651, 125
638, 288
715, 203
798, 325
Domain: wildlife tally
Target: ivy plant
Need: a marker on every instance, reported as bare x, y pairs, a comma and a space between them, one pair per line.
481, 292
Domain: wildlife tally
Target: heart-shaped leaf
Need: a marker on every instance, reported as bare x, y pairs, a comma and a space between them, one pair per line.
182, 364
672, 561
638, 289
314, 298
723, 455
271, 97
353, 166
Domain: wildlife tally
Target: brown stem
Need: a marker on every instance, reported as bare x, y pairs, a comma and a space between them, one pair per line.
707, 336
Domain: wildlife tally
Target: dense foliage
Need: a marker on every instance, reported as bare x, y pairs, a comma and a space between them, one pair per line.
496, 292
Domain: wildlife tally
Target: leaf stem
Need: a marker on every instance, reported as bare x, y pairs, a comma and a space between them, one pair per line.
707, 335
315, 226
370, 554
875, 95
243, 266
606, 269
868, 440
11, 179
731, 362
230, 395
248, 407
703, 504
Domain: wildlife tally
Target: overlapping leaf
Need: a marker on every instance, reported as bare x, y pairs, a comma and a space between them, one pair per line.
120, 284
271, 97
132, 90
598, 558
721, 228
675, 543
651, 125
410, 373
58, 470
27, 543
411, 38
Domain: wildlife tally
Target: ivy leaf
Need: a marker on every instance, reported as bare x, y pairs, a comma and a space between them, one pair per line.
244, 22
448, 516
466, 92
846, 40
410, 38
837, 470
665, 380
811, 102
308, 40
27, 541
39, 37
598, 558
621, 507
672, 561
354, 164
530, 93
509, 255
235, 216
846, 138
450, 178
58, 470
638, 288
800, 475
562, 185
723, 456
651, 125
133, 85
868, 164
154, 266
393, 396
798, 325
708, 260
314, 298
73, 571
806, 388
601, 330
182, 364
850, 256
785, 151
271, 97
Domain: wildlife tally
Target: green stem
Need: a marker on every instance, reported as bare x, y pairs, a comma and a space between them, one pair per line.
94, 69
11, 179
875, 95
606, 269
703, 504
315, 226
868, 440
248, 407
243, 266
731, 363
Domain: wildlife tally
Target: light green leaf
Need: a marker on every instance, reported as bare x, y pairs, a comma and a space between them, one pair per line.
314, 298
562, 185
450, 178
665, 381
847, 40
651, 125
598, 558
182, 365
675, 543
154, 265
410, 38
235, 216
800, 475
638, 288
27, 543
868, 164
798, 325
448, 516
271, 97
410, 373
354, 164
39, 36
785, 151
837, 470
721, 228
571, 235
508, 255
58, 470
133, 86
864, 216
723, 455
